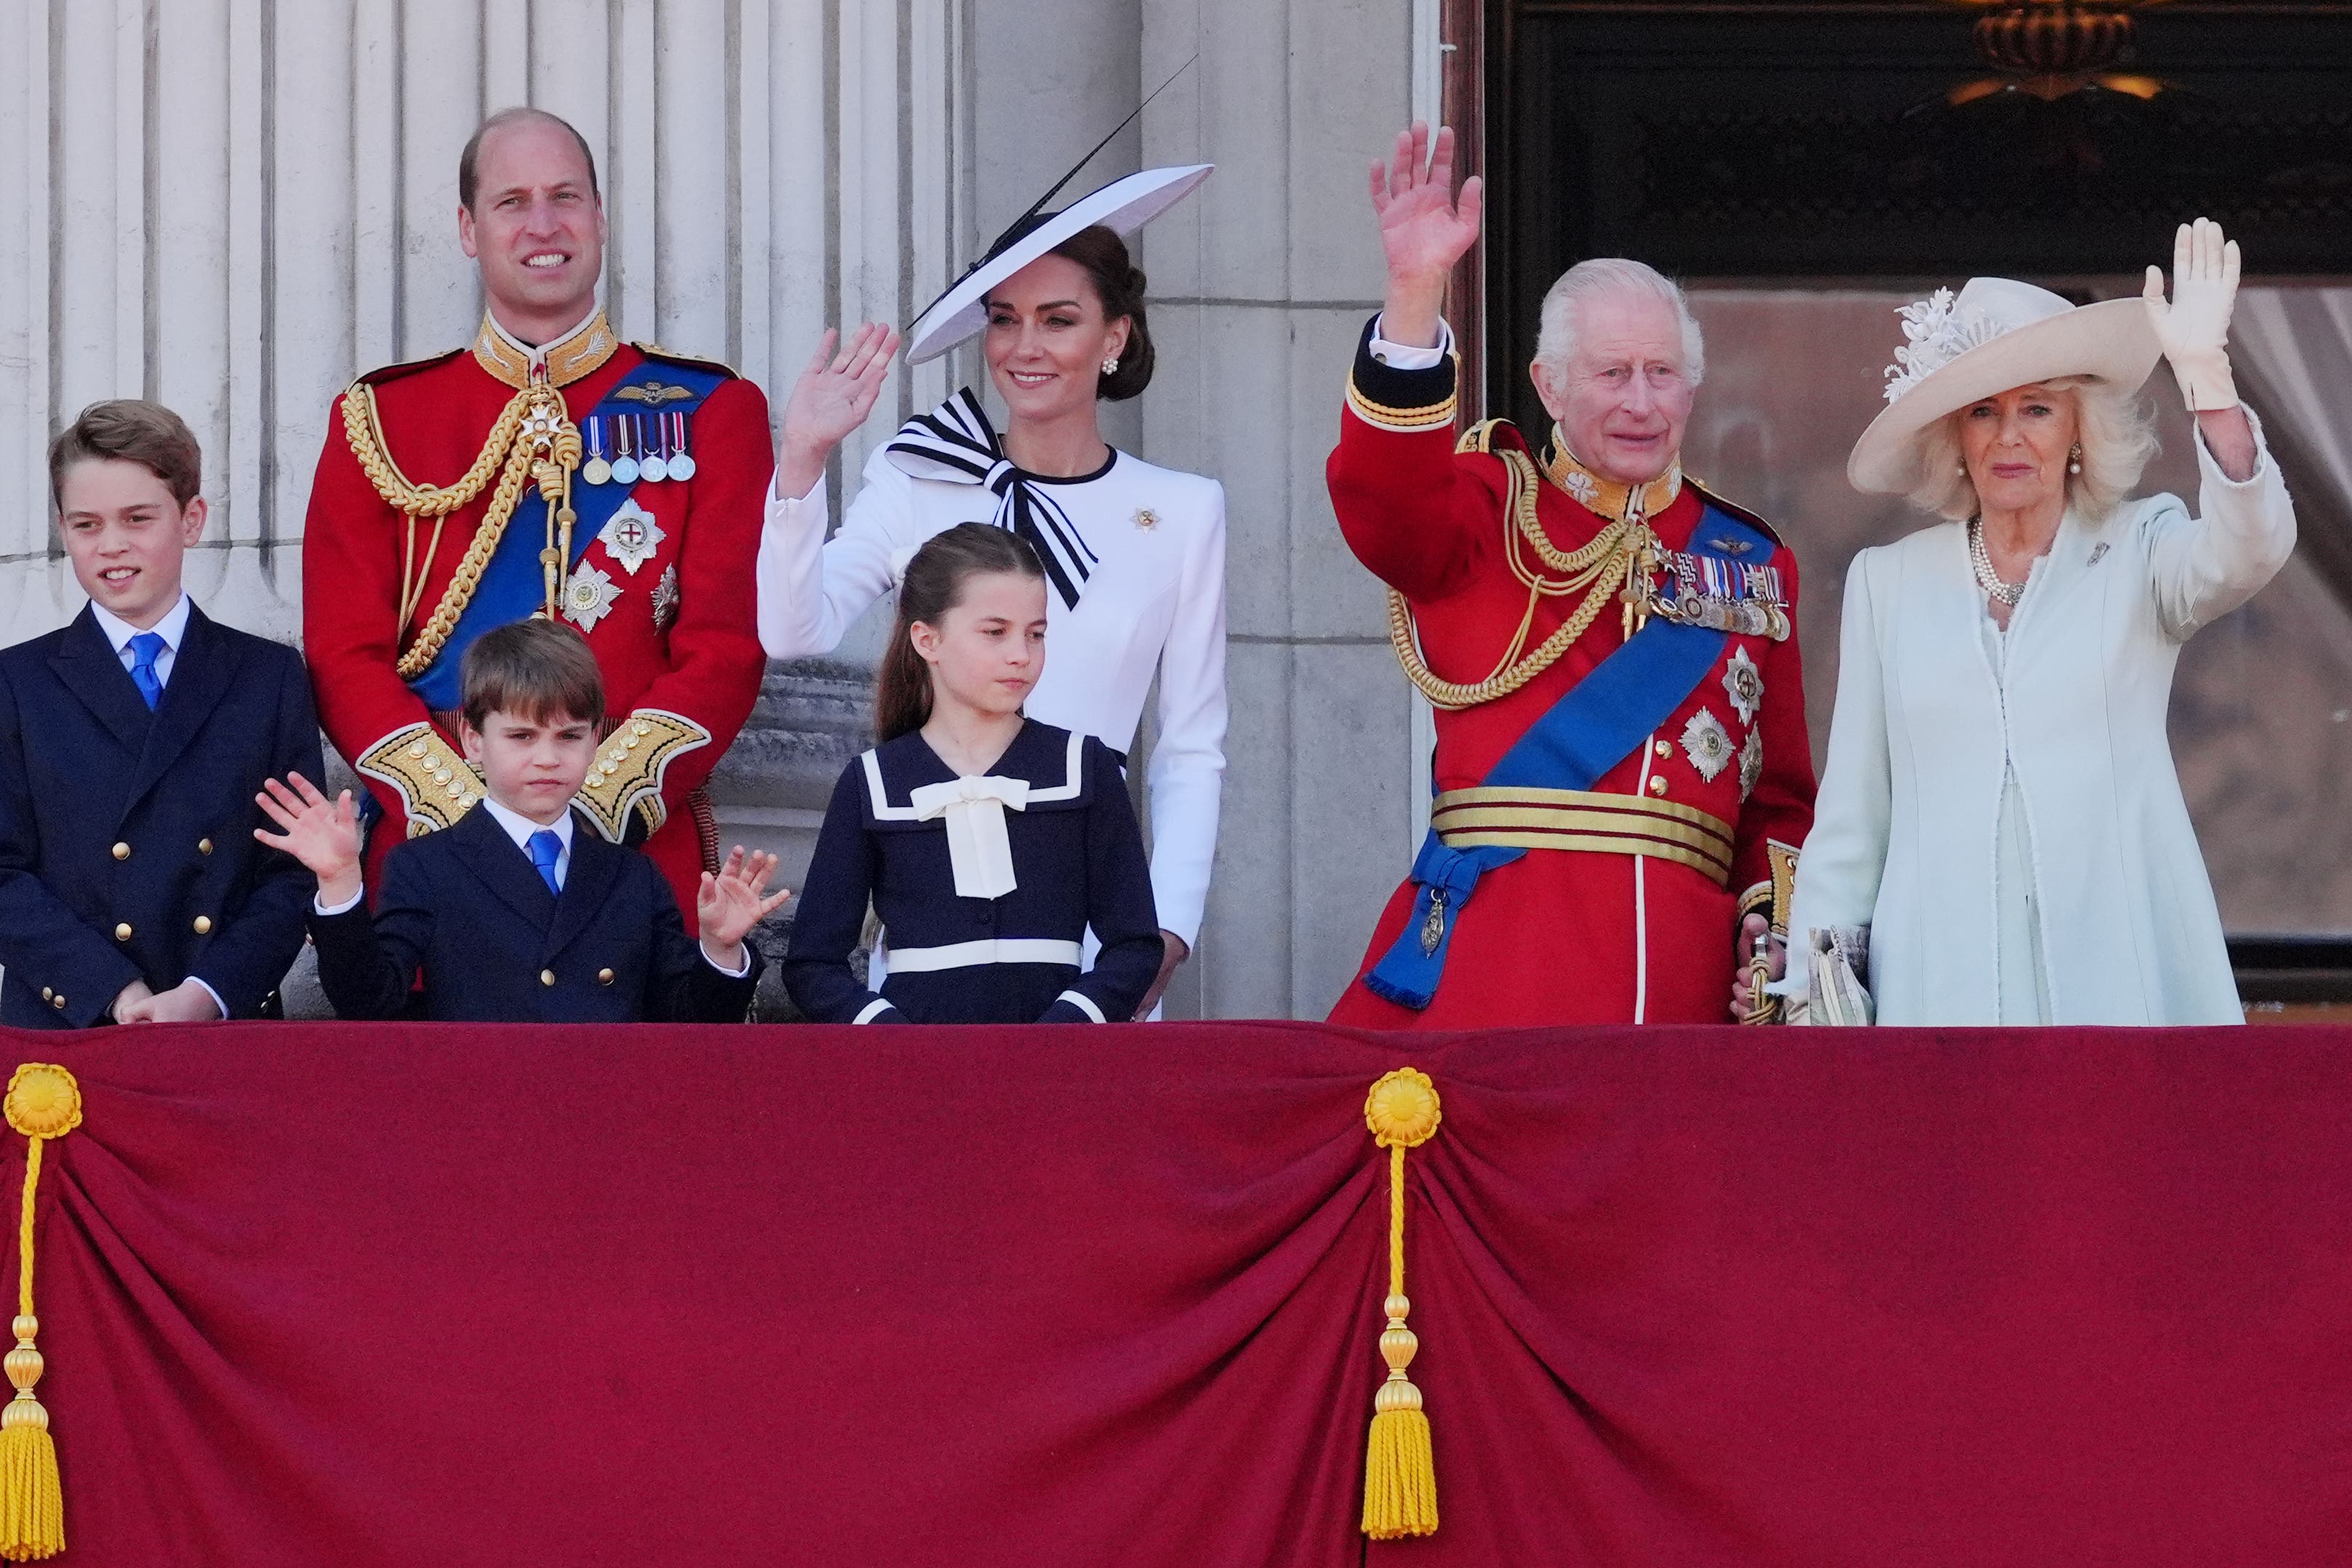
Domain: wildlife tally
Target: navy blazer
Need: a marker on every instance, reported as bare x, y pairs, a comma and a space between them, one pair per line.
126, 837
1079, 860
466, 906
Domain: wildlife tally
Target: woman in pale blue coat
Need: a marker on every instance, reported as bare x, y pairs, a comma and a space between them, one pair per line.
2000, 808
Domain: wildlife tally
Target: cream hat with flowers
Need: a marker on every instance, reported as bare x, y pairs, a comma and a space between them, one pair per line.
1996, 334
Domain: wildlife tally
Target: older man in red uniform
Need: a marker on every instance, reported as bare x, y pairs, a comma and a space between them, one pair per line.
548, 468
1622, 757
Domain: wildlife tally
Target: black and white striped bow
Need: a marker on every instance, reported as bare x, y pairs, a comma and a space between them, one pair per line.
956, 443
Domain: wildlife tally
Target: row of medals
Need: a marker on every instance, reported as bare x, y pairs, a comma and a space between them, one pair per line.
656, 457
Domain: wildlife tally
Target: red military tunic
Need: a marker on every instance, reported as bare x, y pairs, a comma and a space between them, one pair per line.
1583, 936
678, 646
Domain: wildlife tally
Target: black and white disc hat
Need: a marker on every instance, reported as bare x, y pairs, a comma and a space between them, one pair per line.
1122, 207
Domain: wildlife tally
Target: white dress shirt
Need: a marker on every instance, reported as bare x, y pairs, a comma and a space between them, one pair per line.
171, 628
1404, 356
1154, 606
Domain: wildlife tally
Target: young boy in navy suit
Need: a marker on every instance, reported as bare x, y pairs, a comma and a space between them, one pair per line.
521, 913
131, 744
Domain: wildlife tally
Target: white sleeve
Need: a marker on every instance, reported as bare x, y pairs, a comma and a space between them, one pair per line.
813, 589
1404, 356
1188, 756
318, 906
1844, 856
2200, 569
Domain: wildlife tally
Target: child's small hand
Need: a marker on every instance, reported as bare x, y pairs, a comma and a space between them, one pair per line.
323, 834
187, 1003
730, 903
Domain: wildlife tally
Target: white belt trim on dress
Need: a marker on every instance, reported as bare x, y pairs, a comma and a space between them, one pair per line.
987, 950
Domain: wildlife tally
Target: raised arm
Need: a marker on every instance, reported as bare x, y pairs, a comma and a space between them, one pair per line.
1409, 511
835, 394
2202, 569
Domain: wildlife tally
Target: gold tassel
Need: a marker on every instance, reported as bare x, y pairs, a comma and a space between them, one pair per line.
1400, 1475
44, 1102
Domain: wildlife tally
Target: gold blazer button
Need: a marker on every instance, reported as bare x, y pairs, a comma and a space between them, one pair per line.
122, 852
203, 925
123, 932
203, 846
603, 977
58, 1001
546, 978
1657, 786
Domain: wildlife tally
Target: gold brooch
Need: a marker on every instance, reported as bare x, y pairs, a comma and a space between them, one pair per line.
1146, 518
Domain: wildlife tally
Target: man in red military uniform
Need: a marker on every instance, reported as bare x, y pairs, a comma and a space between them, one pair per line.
1622, 765
548, 468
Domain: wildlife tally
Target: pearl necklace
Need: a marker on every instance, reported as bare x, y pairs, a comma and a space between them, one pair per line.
1987, 578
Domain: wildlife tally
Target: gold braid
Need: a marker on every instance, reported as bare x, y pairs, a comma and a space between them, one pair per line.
1602, 565
513, 460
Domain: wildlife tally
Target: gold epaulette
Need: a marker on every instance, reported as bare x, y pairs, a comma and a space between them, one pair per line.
628, 773
655, 350
1480, 437
436, 785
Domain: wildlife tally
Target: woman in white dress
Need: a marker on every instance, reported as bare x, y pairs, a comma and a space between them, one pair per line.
1135, 555
1999, 809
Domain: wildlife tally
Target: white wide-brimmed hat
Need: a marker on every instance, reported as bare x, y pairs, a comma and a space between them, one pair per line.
1122, 207
1997, 334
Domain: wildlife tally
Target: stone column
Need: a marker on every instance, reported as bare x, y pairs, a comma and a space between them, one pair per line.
1260, 285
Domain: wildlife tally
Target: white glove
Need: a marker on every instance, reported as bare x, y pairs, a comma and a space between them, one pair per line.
2194, 329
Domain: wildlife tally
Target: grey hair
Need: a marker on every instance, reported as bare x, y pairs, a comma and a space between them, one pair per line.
1557, 336
2117, 432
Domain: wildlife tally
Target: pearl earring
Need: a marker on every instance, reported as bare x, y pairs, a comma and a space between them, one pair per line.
1962, 470
1110, 367
2074, 459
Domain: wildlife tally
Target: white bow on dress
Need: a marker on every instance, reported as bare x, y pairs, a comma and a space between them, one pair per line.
978, 846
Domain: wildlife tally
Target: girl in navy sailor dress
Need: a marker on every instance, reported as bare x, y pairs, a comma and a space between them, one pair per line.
987, 842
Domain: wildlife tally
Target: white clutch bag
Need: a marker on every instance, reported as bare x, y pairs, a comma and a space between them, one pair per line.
1837, 990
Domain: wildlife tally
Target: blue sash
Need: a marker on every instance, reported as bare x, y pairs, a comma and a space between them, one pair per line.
1597, 724
513, 587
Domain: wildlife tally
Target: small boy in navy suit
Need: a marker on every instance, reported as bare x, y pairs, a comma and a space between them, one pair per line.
130, 744
521, 913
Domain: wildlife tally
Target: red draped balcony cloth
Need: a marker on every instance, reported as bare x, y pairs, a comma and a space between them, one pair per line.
395, 1295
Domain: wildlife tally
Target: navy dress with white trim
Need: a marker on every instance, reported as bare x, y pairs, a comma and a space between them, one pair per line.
906, 833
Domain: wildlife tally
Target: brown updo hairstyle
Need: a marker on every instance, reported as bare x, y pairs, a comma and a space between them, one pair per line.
933, 586
1118, 284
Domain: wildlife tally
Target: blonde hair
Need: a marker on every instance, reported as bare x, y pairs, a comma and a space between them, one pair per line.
2116, 431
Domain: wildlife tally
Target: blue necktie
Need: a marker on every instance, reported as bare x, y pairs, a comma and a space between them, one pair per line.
145, 649
544, 848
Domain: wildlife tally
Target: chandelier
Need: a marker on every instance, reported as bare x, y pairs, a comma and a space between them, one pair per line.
2052, 49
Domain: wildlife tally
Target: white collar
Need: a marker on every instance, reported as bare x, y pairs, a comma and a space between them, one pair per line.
118, 632
519, 827
538, 356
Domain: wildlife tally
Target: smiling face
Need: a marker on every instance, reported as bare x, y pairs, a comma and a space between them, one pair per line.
1623, 396
2017, 446
536, 228
531, 766
989, 649
1047, 340
125, 535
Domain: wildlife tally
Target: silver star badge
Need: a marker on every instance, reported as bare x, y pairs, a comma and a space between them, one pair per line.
1708, 744
1745, 683
588, 596
631, 536
1751, 763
